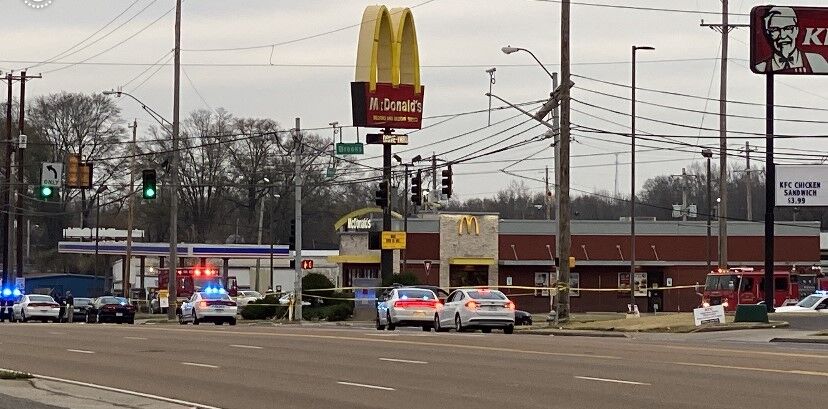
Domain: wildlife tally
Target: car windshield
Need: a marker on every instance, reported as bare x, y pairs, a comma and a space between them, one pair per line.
721, 283
82, 301
215, 296
422, 294
486, 295
809, 301
113, 300
252, 294
40, 298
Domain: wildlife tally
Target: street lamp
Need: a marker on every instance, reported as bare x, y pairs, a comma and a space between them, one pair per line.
155, 115
707, 153
98, 192
632, 183
510, 50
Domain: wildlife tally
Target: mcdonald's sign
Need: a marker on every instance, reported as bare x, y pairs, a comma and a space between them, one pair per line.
387, 92
468, 224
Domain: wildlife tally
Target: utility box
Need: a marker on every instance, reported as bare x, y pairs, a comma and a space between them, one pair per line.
751, 313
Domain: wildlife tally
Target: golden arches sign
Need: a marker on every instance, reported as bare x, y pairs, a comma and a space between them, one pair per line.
468, 224
387, 92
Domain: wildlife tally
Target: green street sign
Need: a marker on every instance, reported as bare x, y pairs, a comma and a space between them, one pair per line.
350, 148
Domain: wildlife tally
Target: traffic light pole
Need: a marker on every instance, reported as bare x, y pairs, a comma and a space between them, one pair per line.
386, 256
405, 219
128, 262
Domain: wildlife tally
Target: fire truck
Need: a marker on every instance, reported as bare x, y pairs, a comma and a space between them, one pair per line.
743, 285
192, 279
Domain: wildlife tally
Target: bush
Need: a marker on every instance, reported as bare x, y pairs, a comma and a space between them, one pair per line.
336, 312
263, 309
406, 278
313, 282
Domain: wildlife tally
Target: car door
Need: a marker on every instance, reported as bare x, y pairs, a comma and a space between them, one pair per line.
449, 309
187, 306
382, 305
18, 307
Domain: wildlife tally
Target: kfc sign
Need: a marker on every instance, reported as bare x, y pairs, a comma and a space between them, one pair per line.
387, 92
789, 40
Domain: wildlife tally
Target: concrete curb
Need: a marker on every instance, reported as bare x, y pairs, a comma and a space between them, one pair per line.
572, 333
801, 340
731, 327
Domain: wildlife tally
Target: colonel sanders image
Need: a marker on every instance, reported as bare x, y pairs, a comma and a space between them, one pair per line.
782, 32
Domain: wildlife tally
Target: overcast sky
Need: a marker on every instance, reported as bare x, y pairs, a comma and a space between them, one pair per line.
458, 41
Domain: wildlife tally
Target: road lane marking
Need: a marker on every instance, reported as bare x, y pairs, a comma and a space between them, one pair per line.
742, 352
56, 333
745, 368
81, 351
199, 365
139, 338
362, 385
405, 361
396, 341
589, 378
118, 390
246, 346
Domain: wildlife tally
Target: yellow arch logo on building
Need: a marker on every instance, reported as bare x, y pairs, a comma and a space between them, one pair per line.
387, 92
468, 224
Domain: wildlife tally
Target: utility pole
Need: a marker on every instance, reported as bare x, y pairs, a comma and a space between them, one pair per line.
749, 185
128, 261
433, 177
724, 28
171, 282
255, 284
7, 172
563, 167
20, 191
297, 215
386, 256
546, 195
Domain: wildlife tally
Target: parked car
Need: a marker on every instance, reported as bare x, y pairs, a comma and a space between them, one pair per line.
523, 318
80, 307
407, 306
210, 305
441, 293
112, 309
36, 307
285, 300
246, 296
817, 302
469, 309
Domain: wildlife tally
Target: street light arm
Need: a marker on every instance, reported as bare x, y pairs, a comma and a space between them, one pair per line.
547, 124
539, 62
155, 115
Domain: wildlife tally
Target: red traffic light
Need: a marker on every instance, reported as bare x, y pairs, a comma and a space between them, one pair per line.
307, 264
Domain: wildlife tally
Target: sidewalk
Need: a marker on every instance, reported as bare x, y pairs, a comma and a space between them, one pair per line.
45, 394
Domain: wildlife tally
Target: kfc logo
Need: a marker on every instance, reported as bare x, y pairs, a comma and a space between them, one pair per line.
789, 40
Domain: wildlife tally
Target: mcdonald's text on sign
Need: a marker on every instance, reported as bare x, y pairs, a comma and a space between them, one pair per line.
393, 240
387, 92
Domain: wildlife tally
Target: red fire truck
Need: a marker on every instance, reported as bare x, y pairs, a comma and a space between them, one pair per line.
192, 279
744, 285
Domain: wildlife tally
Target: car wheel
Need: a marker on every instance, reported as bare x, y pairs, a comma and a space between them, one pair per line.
391, 325
380, 326
509, 329
195, 318
458, 324
426, 328
23, 316
486, 330
181, 319
232, 321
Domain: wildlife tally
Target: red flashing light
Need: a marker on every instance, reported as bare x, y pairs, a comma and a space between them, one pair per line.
197, 272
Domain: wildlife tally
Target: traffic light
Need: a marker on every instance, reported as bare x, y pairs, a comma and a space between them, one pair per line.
417, 188
292, 239
46, 192
382, 195
150, 190
447, 183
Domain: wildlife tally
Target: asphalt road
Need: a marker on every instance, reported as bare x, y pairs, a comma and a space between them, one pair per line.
804, 321
300, 367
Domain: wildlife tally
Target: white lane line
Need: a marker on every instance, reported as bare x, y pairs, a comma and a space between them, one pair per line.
405, 361
199, 365
588, 378
139, 338
56, 333
125, 391
362, 385
246, 346
81, 351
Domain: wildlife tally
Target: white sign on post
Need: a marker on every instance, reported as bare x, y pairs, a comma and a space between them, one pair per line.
801, 185
51, 174
709, 315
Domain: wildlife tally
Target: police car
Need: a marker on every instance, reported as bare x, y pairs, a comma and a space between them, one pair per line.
8, 296
212, 304
814, 303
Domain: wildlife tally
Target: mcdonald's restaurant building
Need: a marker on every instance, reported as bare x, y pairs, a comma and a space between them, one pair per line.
452, 250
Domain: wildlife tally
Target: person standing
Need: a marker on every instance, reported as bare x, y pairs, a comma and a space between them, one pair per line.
70, 307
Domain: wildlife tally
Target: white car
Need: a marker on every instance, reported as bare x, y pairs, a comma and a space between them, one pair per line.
407, 307
285, 300
36, 307
469, 309
209, 305
817, 302
244, 297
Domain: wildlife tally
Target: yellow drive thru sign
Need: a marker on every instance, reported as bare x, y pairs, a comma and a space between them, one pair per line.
393, 240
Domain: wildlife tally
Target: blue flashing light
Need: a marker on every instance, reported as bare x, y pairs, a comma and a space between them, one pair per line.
17, 292
7, 292
821, 292
123, 303
222, 291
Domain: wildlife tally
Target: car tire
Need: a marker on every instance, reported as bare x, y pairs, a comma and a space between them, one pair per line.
486, 330
195, 318
181, 319
426, 328
437, 326
391, 325
380, 327
23, 316
509, 329
458, 324
232, 321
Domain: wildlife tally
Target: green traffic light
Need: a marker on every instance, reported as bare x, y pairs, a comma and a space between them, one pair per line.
46, 191
149, 193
